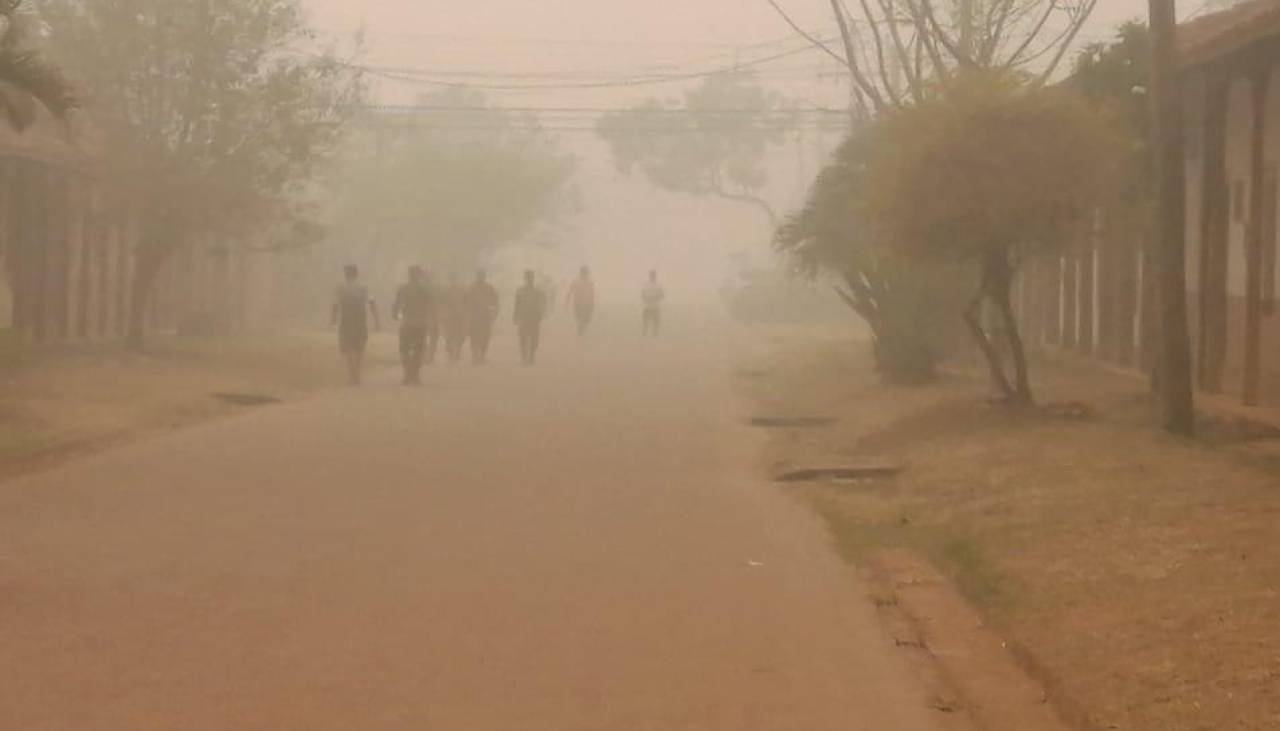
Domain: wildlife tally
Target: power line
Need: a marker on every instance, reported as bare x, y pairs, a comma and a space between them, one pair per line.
414, 110
1204, 7
410, 76
445, 73
578, 42
643, 131
730, 50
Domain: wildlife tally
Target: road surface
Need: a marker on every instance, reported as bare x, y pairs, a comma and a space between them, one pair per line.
580, 545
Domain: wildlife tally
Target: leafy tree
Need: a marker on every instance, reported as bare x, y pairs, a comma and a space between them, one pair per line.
713, 143
901, 301
452, 185
215, 114
1113, 77
988, 172
27, 79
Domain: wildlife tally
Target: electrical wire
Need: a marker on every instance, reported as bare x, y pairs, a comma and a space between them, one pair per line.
412, 76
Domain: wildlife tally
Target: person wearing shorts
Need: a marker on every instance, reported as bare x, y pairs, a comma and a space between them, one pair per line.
352, 308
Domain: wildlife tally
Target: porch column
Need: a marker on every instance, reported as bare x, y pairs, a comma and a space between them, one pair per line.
1260, 82
1214, 239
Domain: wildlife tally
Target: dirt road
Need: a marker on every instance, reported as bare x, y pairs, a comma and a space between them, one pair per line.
581, 545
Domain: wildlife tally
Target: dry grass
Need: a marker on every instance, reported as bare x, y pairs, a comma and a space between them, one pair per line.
1140, 574
60, 401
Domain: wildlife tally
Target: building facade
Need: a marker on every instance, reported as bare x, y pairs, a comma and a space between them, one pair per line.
68, 252
1099, 297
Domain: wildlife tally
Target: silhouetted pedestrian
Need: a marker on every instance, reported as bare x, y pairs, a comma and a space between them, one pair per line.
454, 318
582, 298
352, 307
416, 309
530, 311
482, 311
653, 295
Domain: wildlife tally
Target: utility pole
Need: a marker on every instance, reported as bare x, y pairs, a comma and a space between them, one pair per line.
1176, 398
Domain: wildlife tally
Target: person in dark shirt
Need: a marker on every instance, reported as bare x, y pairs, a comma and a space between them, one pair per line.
482, 310
530, 311
453, 318
433, 319
416, 309
582, 296
352, 307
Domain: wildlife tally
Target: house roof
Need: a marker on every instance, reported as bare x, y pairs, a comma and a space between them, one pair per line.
1215, 35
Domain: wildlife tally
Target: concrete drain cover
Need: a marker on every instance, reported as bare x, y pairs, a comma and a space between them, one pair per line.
792, 422
857, 474
246, 399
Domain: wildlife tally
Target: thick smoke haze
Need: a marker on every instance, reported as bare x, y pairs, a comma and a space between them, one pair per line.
623, 226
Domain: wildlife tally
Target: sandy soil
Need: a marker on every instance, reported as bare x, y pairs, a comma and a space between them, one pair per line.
1136, 575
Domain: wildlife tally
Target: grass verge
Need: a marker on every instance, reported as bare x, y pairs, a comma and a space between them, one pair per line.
1137, 572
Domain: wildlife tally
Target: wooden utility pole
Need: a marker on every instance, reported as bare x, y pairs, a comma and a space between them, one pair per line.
1176, 399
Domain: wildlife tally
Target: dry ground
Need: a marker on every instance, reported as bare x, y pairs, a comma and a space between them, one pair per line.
62, 401
1136, 575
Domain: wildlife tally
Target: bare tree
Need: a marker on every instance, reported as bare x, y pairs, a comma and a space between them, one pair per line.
896, 50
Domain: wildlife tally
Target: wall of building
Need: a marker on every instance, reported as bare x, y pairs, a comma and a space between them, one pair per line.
1106, 279
69, 254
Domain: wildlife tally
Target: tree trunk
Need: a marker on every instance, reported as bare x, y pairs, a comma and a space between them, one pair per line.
973, 318
999, 289
149, 261
1176, 394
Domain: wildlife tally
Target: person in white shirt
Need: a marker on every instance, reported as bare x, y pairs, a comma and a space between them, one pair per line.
653, 296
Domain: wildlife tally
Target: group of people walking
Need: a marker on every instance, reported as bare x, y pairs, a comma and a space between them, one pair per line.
461, 314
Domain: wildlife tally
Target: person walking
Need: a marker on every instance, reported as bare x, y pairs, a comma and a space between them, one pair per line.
582, 298
416, 309
352, 308
482, 310
530, 311
653, 295
453, 318
433, 320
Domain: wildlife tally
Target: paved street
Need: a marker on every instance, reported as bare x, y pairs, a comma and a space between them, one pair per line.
580, 545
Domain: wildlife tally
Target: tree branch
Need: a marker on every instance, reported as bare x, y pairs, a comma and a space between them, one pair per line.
910, 66
1032, 35
818, 42
1077, 23
744, 197
847, 36
885, 80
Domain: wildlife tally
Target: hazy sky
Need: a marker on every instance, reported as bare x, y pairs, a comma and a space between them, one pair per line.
604, 36
624, 225
682, 23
